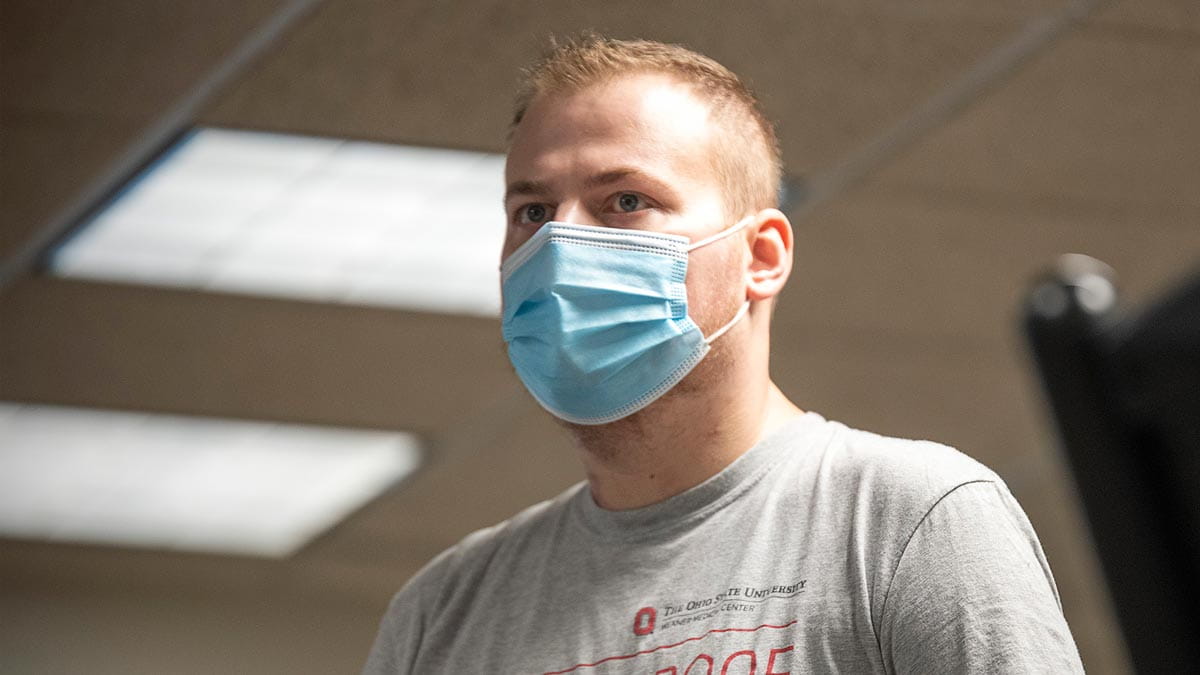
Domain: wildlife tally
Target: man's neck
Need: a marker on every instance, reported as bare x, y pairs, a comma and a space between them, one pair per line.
643, 459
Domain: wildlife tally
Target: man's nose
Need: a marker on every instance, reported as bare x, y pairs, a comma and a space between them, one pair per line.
574, 212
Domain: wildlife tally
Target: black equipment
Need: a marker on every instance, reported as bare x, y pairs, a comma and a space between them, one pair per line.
1125, 391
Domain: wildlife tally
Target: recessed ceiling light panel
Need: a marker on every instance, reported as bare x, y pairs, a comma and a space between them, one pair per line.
312, 218
186, 483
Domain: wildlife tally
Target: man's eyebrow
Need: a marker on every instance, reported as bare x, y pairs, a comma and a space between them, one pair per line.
534, 187
619, 174
525, 187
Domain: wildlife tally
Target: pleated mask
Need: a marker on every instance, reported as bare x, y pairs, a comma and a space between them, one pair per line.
596, 318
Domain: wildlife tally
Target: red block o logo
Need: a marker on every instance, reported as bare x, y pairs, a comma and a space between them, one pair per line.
643, 621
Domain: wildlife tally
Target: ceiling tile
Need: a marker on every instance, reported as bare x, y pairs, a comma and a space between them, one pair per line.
65, 56
431, 74
931, 263
1175, 20
1098, 120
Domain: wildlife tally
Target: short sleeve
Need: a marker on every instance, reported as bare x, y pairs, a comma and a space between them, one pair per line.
399, 635
972, 592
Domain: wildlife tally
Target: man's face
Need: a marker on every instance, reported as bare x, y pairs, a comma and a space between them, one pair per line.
637, 153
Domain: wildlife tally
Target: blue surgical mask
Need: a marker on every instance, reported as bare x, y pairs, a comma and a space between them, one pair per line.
596, 318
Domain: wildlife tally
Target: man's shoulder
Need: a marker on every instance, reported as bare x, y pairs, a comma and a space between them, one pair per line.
895, 470
870, 451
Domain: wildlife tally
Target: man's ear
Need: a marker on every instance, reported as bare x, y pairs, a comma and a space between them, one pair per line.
770, 254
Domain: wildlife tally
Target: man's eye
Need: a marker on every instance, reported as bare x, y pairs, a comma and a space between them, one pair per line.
533, 213
629, 202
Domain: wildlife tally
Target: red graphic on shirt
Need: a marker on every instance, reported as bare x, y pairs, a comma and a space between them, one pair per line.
708, 661
643, 621
751, 661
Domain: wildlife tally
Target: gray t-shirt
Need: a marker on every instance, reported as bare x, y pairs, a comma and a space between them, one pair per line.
822, 549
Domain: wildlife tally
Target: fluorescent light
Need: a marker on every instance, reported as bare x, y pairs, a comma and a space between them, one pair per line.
187, 483
302, 217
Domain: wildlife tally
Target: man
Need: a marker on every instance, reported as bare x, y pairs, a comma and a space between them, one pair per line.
721, 529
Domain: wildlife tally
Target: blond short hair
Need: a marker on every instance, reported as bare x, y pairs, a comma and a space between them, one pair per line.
748, 159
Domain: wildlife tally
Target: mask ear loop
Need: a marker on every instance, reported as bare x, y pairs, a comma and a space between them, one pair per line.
724, 329
722, 234
746, 305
